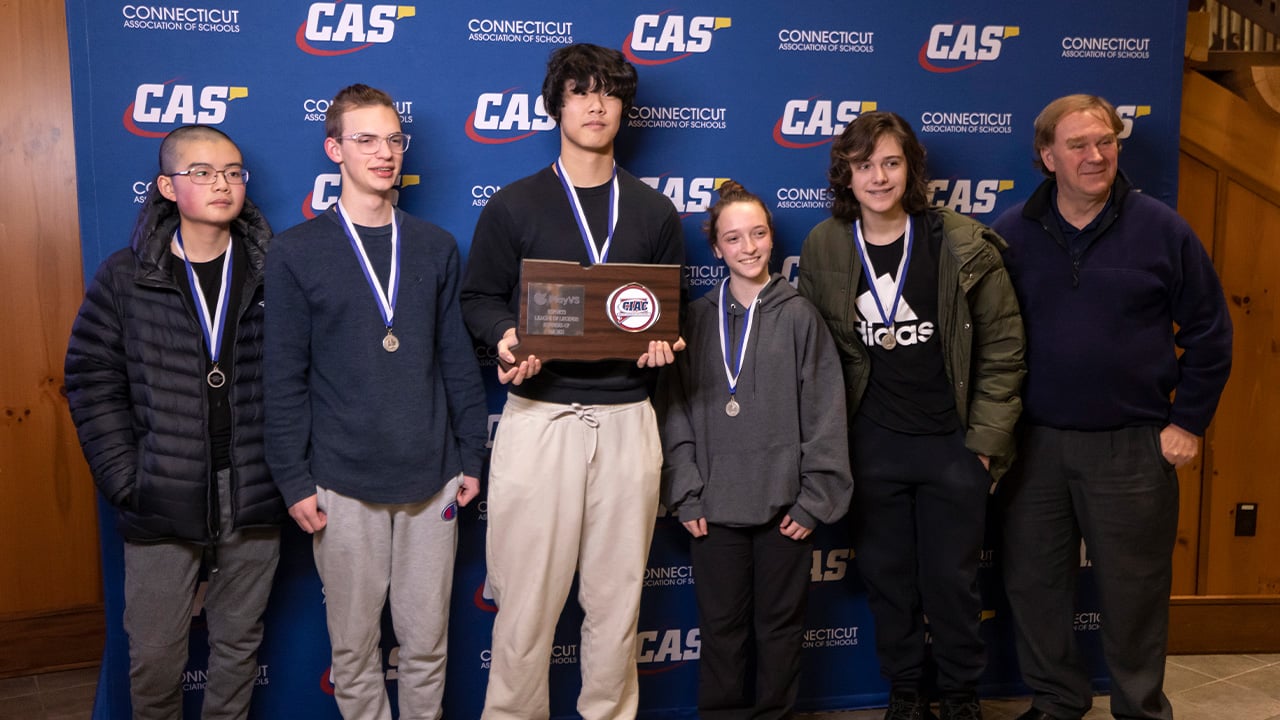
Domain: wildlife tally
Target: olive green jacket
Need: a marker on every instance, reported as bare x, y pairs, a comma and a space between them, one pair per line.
978, 321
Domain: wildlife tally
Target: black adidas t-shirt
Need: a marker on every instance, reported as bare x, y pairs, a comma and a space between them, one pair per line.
908, 389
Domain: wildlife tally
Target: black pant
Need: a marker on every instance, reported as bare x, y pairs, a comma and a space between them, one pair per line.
1114, 489
750, 581
919, 512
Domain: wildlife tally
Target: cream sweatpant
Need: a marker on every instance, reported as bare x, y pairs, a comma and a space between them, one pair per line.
571, 487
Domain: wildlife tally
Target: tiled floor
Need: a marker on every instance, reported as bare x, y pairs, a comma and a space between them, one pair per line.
53, 696
1201, 687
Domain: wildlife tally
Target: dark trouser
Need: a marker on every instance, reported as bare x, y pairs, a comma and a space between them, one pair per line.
919, 512
1116, 490
750, 581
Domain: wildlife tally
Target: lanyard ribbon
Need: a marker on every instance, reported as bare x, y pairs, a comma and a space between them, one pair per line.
386, 299
597, 255
211, 326
900, 281
732, 362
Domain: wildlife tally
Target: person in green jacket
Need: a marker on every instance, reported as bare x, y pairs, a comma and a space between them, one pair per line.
931, 345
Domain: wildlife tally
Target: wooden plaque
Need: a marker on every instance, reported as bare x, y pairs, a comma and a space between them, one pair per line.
606, 311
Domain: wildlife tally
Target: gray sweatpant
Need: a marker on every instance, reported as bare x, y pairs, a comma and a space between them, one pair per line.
160, 593
365, 552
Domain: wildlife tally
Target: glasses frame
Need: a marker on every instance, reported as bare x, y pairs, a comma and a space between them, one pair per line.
223, 172
373, 148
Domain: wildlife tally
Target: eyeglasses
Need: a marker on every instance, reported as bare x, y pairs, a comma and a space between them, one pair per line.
369, 143
206, 175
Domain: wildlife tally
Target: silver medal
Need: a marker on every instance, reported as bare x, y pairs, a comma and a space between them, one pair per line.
888, 341
216, 378
732, 408
390, 343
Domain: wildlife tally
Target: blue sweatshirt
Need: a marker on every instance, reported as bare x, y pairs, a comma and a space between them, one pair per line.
342, 412
1100, 319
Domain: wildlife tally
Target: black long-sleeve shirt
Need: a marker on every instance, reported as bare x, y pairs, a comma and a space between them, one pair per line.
532, 218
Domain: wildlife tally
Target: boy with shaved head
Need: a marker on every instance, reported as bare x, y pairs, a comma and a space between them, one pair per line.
164, 381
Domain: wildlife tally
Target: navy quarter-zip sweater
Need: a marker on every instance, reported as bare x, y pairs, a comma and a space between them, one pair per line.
1104, 321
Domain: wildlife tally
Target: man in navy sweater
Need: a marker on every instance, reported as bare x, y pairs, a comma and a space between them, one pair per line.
1111, 282
375, 411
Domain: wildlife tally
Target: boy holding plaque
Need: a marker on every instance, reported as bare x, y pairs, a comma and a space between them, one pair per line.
761, 365
573, 479
375, 411
164, 381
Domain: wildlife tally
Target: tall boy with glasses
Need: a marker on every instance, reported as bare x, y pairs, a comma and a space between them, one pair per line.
164, 381
375, 411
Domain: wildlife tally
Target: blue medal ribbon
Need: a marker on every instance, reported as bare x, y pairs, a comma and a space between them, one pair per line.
900, 281
386, 299
596, 255
733, 361
210, 325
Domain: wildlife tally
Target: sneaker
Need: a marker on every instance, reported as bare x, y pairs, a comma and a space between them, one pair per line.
963, 706
907, 704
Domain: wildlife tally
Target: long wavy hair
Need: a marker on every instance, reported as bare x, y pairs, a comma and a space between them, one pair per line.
857, 143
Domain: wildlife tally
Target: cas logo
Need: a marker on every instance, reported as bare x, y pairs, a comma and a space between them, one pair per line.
328, 187
952, 48
971, 197
507, 116
791, 269
664, 38
1129, 113
494, 419
344, 28
169, 103
830, 565
689, 195
483, 597
660, 651
814, 122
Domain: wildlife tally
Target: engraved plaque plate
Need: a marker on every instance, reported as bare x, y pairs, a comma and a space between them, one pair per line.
599, 312
555, 309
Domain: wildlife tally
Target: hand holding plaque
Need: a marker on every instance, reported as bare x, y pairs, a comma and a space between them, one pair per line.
605, 311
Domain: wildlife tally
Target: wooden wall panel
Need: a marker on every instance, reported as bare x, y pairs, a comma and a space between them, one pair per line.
48, 526
1233, 131
1248, 420
1197, 187
1224, 624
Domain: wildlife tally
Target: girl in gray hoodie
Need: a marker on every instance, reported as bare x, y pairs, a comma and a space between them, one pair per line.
755, 456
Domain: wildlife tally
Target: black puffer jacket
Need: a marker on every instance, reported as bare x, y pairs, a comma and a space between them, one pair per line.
135, 379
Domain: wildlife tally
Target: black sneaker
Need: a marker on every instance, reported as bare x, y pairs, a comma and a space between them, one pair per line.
907, 705
963, 706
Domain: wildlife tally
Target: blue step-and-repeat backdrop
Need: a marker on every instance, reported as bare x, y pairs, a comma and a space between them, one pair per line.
748, 90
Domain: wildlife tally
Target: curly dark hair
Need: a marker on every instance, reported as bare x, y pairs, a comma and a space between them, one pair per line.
589, 67
857, 143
